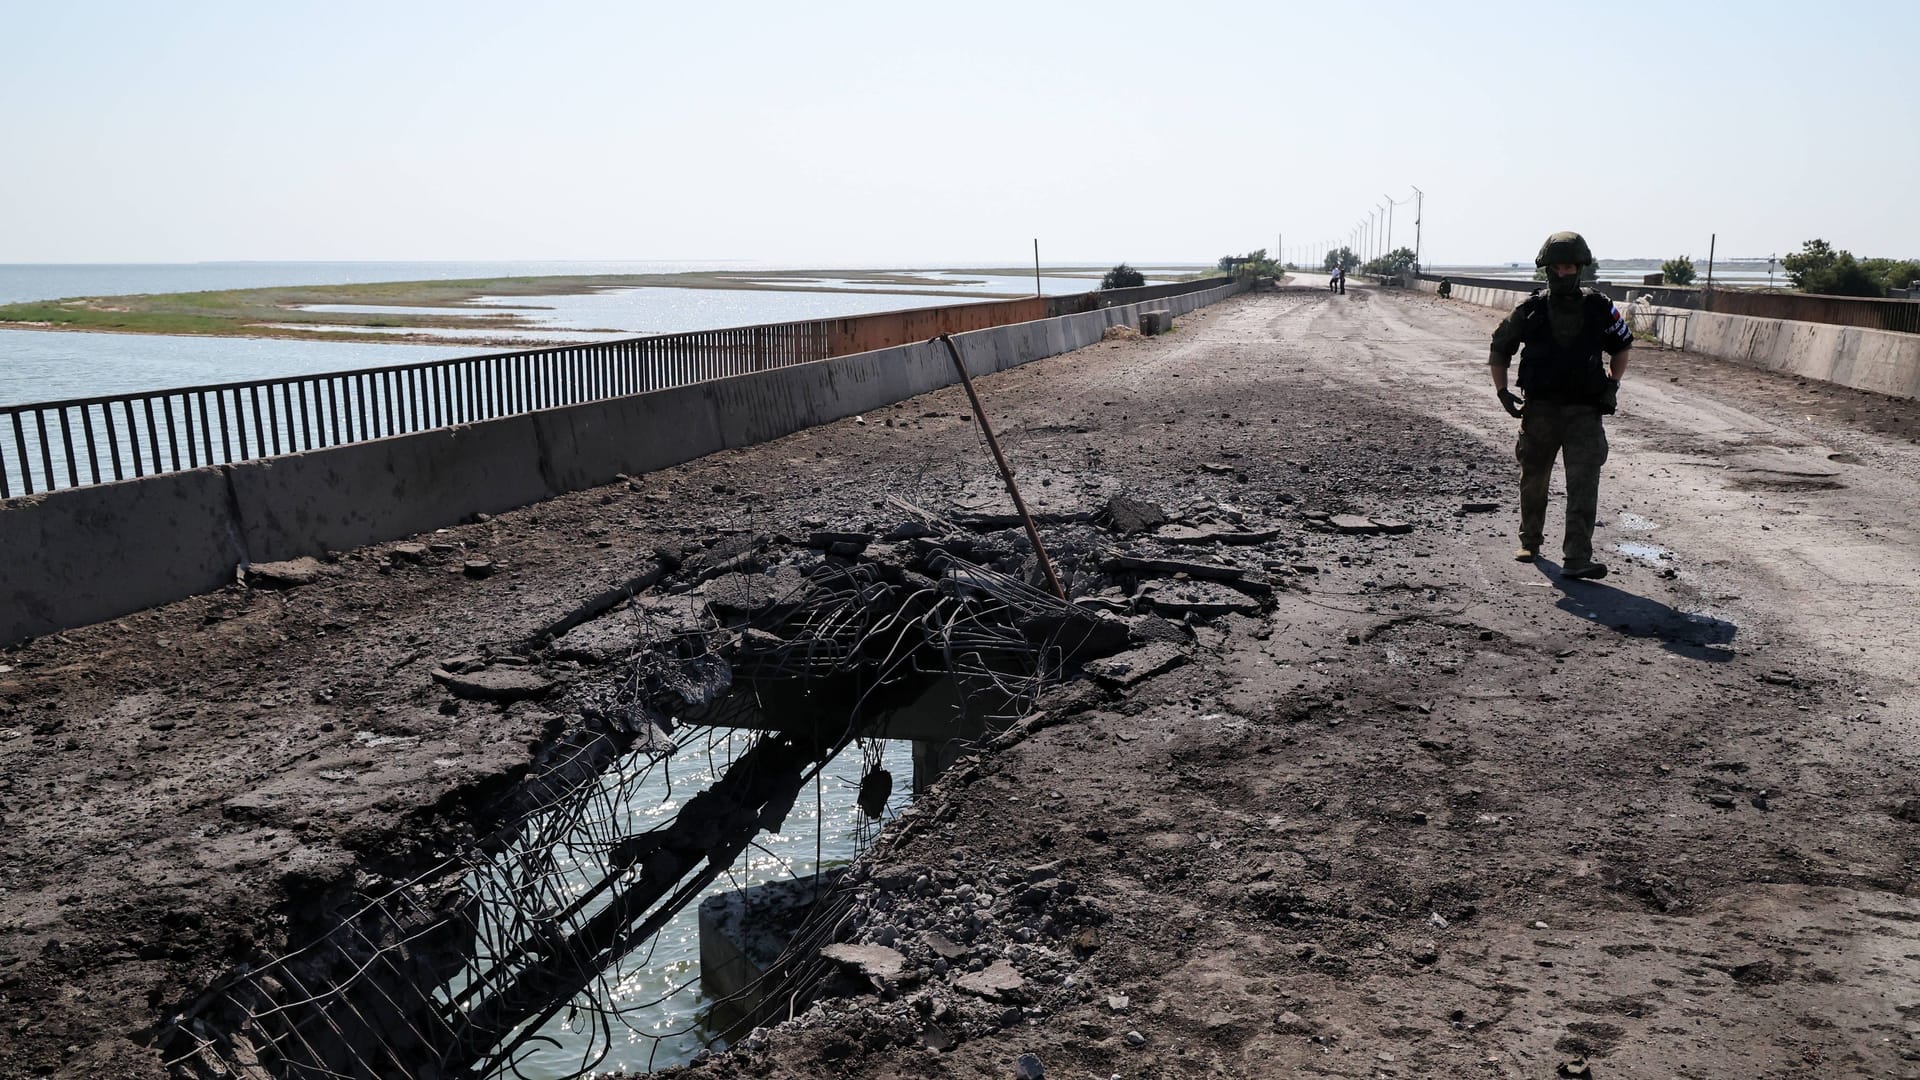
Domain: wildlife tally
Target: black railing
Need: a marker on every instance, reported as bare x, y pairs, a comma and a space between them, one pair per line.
50, 445
45, 446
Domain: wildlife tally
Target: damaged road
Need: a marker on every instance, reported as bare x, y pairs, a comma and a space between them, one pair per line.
1358, 797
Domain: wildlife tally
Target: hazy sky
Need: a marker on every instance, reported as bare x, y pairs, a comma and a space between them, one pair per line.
847, 133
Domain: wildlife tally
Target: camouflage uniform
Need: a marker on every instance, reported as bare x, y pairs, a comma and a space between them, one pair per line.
1560, 335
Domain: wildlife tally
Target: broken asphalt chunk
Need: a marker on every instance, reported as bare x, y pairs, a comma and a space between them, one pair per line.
1134, 665
998, 982
1202, 599
845, 544
284, 575
494, 684
1187, 535
1127, 516
1244, 580
876, 962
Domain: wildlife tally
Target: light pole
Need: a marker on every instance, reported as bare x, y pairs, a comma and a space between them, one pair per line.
1419, 206
1389, 224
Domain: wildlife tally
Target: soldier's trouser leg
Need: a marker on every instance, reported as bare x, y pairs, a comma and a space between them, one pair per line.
1583, 440
1539, 444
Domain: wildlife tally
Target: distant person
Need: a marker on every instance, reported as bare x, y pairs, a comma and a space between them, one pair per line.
1446, 288
1339, 283
1573, 350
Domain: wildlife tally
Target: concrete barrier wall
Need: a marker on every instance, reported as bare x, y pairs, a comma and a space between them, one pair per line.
1483, 295
86, 554
1883, 361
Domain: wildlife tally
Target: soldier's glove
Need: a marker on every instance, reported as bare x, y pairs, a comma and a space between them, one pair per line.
1514, 405
1610, 397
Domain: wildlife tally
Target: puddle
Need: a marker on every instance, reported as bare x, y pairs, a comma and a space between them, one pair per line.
1634, 549
1637, 523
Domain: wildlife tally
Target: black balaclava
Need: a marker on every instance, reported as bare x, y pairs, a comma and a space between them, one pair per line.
1563, 306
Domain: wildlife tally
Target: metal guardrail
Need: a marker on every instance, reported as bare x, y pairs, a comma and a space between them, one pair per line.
1900, 316
46, 446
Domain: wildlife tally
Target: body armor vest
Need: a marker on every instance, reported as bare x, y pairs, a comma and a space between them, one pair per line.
1573, 373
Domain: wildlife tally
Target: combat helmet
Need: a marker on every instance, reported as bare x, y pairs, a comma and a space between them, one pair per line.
1564, 247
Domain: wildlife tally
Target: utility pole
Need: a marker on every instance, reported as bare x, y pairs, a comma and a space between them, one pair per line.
1419, 215
1389, 224
1036, 266
1712, 240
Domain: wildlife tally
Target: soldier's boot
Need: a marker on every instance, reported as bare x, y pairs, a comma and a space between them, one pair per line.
1584, 446
1535, 451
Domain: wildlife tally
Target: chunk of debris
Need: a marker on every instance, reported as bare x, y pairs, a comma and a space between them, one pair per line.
1242, 579
910, 530
943, 946
413, 553
876, 962
1187, 535
1202, 599
997, 982
752, 593
1136, 664
1127, 516
480, 567
606, 640
1479, 507
1391, 526
501, 684
1353, 524
1028, 1067
284, 575
844, 544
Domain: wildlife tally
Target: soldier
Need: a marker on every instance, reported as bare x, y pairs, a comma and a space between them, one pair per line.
1446, 288
1561, 337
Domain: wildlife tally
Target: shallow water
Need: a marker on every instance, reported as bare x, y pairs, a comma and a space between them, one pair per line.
1635, 549
828, 832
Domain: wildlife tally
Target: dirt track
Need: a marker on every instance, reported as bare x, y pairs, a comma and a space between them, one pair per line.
1438, 815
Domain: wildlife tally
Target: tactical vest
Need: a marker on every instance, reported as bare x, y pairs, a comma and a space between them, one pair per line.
1573, 374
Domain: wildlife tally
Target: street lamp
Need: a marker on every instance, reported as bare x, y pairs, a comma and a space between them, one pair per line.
1419, 206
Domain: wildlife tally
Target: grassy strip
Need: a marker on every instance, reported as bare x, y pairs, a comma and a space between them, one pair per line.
255, 312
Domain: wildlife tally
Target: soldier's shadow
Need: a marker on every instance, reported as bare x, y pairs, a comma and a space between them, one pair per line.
1697, 637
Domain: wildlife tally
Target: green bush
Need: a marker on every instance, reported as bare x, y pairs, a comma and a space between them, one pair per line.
1678, 271
1123, 277
1818, 268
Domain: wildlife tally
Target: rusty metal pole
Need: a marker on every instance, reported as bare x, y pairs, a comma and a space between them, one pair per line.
1019, 504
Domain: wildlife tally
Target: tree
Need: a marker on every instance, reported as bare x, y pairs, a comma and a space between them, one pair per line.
1818, 268
1343, 257
1393, 263
1677, 271
1123, 277
1892, 273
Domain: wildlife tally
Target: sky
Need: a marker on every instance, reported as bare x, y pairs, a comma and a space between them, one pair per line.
845, 134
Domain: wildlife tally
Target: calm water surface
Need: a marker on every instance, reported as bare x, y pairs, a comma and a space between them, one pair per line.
57, 365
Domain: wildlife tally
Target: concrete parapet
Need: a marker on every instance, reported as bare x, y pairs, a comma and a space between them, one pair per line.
343, 497
85, 554
1882, 361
